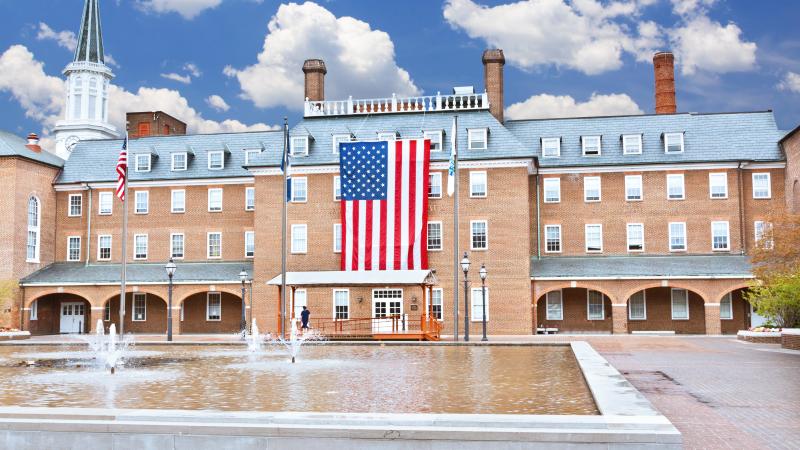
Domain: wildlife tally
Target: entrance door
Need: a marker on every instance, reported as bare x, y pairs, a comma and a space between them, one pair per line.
756, 320
386, 303
72, 318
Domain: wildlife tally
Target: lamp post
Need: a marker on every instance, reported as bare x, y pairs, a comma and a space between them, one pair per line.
243, 277
465, 268
483, 273
170, 268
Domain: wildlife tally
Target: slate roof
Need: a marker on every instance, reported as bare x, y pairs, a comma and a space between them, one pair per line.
13, 145
641, 266
748, 136
67, 273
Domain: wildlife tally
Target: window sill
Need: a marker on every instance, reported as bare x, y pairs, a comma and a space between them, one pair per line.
554, 320
178, 212
32, 261
677, 251
299, 201
635, 251
215, 210
104, 214
479, 249
552, 202
477, 196
214, 258
686, 319
591, 201
676, 199
74, 215
637, 320
434, 249
634, 200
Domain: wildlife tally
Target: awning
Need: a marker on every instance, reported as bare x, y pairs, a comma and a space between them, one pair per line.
360, 278
70, 274
637, 267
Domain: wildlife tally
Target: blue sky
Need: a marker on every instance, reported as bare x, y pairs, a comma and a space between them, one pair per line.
578, 57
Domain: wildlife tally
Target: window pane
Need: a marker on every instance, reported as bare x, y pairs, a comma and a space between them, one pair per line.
595, 305
215, 245
337, 237
477, 184
594, 238
554, 307
250, 198
215, 199
178, 201
179, 161
761, 185
551, 147
435, 185
140, 246
552, 190
176, 249
635, 237
591, 145
637, 306
675, 186
479, 235
591, 189
142, 200
633, 187
677, 236
718, 185
726, 307
299, 189
341, 303
337, 188
299, 242
673, 142
552, 238
249, 243
436, 304
214, 306
680, 304
434, 235
632, 144
478, 304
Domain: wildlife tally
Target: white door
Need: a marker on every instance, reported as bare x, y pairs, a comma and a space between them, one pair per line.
386, 303
756, 320
72, 318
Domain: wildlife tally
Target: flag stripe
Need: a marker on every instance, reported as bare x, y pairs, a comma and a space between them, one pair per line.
423, 210
398, 201
343, 248
412, 205
384, 228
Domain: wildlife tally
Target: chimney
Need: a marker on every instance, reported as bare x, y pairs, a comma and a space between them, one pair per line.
33, 143
493, 62
664, 68
315, 71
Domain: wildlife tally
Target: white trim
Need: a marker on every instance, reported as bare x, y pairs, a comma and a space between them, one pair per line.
727, 236
157, 183
599, 145
434, 165
133, 306
335, 233
429, 302
672, 304
685, 237
185, 160
602, 305
171, 249
628, 237
146, 245
441, 235
471, 240
769, 185
79, 248
172, 209
335, 179
676, 176
402, 298
335, 136
729, 297
246, 190
639, 138
69, 205
711, 304
560, 302
215, 152
599, 189
292, 139
550, 140
644, 304
294, 180
138, 283
560, 239
221, 199
110, 247
711, 176
657, 167
136, 201
136, 162
471, 141
439, 134
435, 175
298, 226
208, 302
208, 245
246, 233
640, 186
666, 149
249, 151
551, 180
333, 300
485, 183
473, 311
586, 237
645, 277
100, 196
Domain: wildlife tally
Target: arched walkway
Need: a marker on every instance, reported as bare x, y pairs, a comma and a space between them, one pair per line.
574, 312
58, 313
738, 315
145, 313
666, 309
210, 312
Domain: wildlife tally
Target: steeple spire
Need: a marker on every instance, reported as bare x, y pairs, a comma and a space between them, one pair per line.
90, 39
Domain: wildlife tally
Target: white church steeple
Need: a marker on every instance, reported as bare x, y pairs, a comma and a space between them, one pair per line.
88, 81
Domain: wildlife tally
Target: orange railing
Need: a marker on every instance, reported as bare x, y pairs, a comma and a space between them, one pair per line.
403, 324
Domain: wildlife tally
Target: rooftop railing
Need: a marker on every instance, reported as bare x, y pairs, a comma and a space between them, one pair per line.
438, 102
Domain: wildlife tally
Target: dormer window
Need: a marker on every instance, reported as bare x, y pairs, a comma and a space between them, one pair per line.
338, 139
631, 144
216, 160
388, 135
436, 139
477, 138
673, 142
551, 147
249, 155
179, 161
590, 145
143, 162
299, 146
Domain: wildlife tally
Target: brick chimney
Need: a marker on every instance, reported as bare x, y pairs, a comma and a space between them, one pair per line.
315, 71
493, 62
664, 68
33, 143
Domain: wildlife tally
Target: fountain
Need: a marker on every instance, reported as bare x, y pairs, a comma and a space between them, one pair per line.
106, 348
296, 340
255, 339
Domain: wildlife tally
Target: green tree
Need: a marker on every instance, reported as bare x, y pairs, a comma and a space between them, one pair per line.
778, 299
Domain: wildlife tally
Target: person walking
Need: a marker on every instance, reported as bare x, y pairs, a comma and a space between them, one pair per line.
304, 318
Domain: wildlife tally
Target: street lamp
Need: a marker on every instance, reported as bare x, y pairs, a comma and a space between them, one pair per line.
243, 277
483, 273
465, 268
170, 268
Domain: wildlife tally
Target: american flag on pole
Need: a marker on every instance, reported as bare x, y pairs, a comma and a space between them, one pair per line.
122, 169
384, 188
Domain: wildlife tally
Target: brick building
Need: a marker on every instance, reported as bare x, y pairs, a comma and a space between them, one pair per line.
602, 224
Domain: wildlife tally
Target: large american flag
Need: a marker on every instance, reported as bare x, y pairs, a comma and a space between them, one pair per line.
122, 169
384, 204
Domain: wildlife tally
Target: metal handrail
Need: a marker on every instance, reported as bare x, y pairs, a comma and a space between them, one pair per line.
420, 103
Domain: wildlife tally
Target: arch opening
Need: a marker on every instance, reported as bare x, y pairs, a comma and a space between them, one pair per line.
575, 310
666, 309
210, 313
61, 313
145, 313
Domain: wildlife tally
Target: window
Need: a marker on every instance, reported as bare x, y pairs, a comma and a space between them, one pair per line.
216, 160
299, 238
718, 185
299, 189
178, 197
139, 307
34, 220
74, 248
215, 200
595, 305
761, 185
591, 189
77, 95
594, 238
675, 190
105, 203
214, 245
107, 312
680, 304
552, 190
140, 246
479, 235
183, 304
633, 187
677, 236
249, 244
555, 310
179, 161
338, 139
590, 145
299, 146
387, 135
478, 303
300, 300
435, 185
337, 188
635, 237
552, 238
434, 235
249, 155
75, 205
249, 199
637, 306
551, 147
477, 184
92, 98
214, 307
673, 143
143, 162
763, 235
476, 138
719, 236
176, 245
337, 238
436, 303
436, 139
34, 310
142, 201
726, 307
104, 247
631, 144
341, 304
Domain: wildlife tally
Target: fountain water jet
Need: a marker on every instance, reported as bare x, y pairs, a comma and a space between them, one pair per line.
107, 349
296, 340
255, 339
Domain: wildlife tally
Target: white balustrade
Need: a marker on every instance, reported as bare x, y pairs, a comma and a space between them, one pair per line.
396, 104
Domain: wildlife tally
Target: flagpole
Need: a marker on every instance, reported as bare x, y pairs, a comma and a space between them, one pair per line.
285, 167
455, 229
124, 240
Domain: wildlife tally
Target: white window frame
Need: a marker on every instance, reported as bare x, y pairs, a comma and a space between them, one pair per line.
586, 181
719, 176
218, 296
136, 195
79, 205
672, 303
337, 186
107, 312
471, 141
631, 183
554, 184
337, 139
676, 176
644, 306
337, 238
727, 236
138, 296
476, 312
34, 230
174, 167
560, 305
304, 227
138, 166
430, 304
172, 253
293, 145
208, 244
602, 305
472, 223
434, 176
685, 237
667, 137
439, 135
759, 228
476, 174
146, 247
560, 239
109, 196
221, 194
441, 236
586, 237
252, 236
100, 247
249, 192
585, 140
638, 146
299, 181
211, 154
333, 299
628, 236
300, 300
726, 299
172, 206
248, 153
549, 144
69, 253
768, 187
34, 310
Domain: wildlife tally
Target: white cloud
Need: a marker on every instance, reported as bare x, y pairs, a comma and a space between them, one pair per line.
189, 9
701, 44
359, 60
579, 35
790, 82
41, 96
691, 7
218, 103
65, 39
192, 69
185, 79
546, 106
